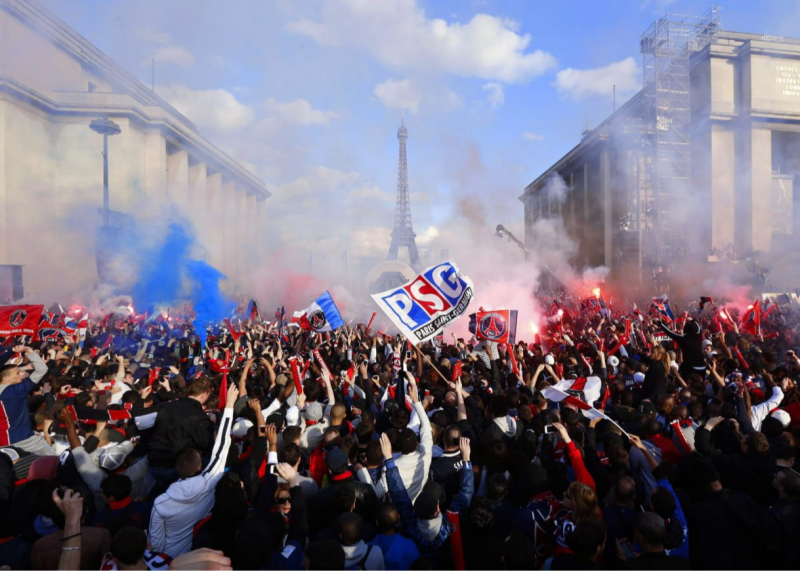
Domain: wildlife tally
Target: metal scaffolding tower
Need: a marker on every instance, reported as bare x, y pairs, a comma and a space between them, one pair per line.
666, 48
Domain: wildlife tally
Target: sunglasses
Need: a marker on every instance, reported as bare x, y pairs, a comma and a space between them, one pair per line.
284, 500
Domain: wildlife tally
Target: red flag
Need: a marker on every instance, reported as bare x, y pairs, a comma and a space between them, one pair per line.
20, 320
751, 322
371, 319
456, 371
235, 334
223, 386
321, 362
512, 358
298, 385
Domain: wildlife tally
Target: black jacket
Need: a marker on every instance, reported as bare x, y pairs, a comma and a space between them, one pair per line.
658, 561
725, 531
324, 507
691, 345
444, 471
179, 425
782, 525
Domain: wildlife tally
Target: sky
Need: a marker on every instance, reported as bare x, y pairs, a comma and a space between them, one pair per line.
309, 95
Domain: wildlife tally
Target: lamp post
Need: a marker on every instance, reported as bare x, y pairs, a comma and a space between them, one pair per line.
105, 127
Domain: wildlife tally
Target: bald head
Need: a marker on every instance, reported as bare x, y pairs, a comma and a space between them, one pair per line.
625, 491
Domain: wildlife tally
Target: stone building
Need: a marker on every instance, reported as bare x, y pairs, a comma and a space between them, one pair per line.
53, 83
701, 164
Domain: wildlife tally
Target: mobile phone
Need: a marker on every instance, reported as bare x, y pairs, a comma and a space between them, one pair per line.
626, 549
549, 429
376, 378
273, 468
408, 354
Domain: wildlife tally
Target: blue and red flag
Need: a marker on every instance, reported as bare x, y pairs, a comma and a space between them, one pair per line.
321, 315
499, 326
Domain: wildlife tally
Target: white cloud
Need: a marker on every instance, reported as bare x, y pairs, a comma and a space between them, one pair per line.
495, 97
299, 111
528, 136
579, 83
176, 55
400, 35
214, 108
402, 94
429, 236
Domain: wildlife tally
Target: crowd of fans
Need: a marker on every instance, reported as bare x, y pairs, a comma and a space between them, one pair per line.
276, 448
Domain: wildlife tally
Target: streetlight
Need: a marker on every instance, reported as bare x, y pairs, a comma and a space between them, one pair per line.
105, 127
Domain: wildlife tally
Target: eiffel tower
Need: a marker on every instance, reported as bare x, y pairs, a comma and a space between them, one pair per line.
403, 235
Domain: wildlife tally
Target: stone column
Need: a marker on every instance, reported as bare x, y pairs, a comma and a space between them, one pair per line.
753, 188
155, 161
585, 234
4, 210
228, 232
723, 187
178, 180
572, 198
607, 207
198, 205
213, 232
253, 244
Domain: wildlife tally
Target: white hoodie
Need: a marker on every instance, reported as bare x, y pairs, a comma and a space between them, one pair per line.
176, 511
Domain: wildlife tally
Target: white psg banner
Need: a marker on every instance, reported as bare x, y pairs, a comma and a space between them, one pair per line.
425, 305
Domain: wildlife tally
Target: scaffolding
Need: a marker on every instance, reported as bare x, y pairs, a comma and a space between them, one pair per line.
666, 126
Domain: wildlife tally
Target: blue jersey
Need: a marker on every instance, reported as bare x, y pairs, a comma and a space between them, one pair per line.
15, 418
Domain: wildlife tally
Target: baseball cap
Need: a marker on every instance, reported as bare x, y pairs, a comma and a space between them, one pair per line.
293, 416
112, 457
240, 428
337, 461
549, 359
707, 343
783, 416
638, 378
313, 411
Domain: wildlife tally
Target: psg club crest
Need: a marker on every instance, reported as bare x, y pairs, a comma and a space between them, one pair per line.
18, 318
317, 319
498, 326
493, 326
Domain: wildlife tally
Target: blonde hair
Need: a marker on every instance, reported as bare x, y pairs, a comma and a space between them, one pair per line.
660, 354
586, 504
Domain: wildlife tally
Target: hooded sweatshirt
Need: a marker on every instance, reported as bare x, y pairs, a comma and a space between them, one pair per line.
355, 554
187, 501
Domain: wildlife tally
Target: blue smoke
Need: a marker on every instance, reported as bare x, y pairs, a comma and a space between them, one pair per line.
160, 279
210, 304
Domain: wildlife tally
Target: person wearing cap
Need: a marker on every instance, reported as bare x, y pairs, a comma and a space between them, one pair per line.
422, 518
758, 412
15, 420
191, 498
109, 460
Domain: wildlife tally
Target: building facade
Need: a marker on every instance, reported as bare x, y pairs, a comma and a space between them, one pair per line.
53, 83
701, 164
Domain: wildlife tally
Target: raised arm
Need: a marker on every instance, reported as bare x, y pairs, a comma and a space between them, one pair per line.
216, 466
39, 366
